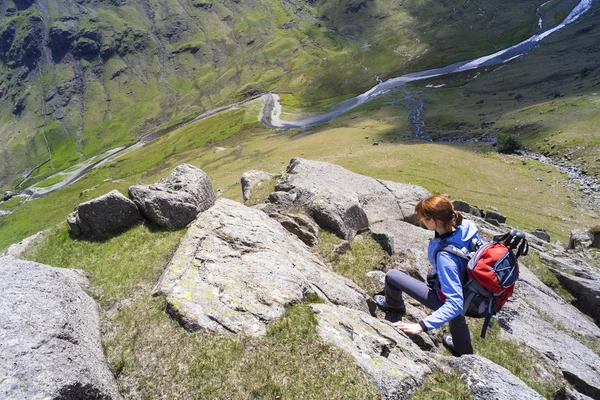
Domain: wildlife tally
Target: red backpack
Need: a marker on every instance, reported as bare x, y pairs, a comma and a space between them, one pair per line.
492, 272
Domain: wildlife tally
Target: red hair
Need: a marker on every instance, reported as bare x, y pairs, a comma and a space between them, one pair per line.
441, 209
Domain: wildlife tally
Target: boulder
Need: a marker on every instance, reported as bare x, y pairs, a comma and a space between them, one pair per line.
342, 248
50, 335
299, 225
461, 206
388, 357
377, 280
541, 234
494, 216
18, 250
252, 179
175, 201
487, 380
580, 240
476, 211
104, 216
579, 277
344, 202
406, 241
237, 269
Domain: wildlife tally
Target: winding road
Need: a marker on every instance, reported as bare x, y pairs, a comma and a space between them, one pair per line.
271, 111
271, 115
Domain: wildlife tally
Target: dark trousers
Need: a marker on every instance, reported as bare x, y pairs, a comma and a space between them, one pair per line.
397, 282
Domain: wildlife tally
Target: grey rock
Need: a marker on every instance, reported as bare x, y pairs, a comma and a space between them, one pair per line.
579, 277
300, 225
50, 335
237, 269
461, 206
279, 202
252, 179
580, 240
476, 211
553, 307
578, 364
541, 233
18, 250
344, 202
487, 380
494, 215
4, 213
388, 357
377, 279
175, 201
570, 394
407, 241
104, 216
342, 248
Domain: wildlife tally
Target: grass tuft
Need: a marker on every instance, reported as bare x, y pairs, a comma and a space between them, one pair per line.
443, 386
365, 255
536, 265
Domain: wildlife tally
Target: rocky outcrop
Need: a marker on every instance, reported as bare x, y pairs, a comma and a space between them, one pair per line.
18, 250
580, 239
104, 216
577, 275
342, 201
237, 269
299, 225
388, 357
541, 233
407, 242
50, 335
487, 380
578, 364
252, 179
174, 202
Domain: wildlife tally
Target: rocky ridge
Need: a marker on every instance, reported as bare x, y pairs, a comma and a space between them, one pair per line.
239, 267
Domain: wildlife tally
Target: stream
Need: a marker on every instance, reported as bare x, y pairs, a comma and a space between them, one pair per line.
273, 118
271, 111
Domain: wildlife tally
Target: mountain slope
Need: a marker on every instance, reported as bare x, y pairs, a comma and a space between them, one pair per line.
81, 77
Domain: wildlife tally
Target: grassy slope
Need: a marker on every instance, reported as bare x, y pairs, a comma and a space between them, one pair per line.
476, 174
559, 82
316, 53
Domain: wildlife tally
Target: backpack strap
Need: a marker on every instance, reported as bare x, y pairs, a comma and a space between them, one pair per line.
487, 321
448, 248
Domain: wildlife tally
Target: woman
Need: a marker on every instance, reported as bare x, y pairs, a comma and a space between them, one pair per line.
446, 297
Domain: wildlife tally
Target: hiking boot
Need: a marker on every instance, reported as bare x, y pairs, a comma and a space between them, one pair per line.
384, 306
449, 343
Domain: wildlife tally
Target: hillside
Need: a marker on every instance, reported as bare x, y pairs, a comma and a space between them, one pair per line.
80, 78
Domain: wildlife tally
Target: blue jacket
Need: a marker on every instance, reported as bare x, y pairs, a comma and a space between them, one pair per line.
451, 271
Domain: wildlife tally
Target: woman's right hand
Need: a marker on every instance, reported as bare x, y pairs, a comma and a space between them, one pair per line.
413, 329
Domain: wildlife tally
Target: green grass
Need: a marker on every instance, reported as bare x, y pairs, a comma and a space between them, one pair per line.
51, 181
365, 255
153, 357
117, 267
537, 266
443, 386
260, 192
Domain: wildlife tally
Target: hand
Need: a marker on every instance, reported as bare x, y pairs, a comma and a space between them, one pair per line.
413, 329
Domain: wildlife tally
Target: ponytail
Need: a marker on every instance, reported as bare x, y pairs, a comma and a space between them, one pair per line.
458, 218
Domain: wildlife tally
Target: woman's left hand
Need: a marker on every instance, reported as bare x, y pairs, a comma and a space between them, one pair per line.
413, 329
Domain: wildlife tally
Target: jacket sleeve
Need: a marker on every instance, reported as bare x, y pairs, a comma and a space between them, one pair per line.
451, 286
